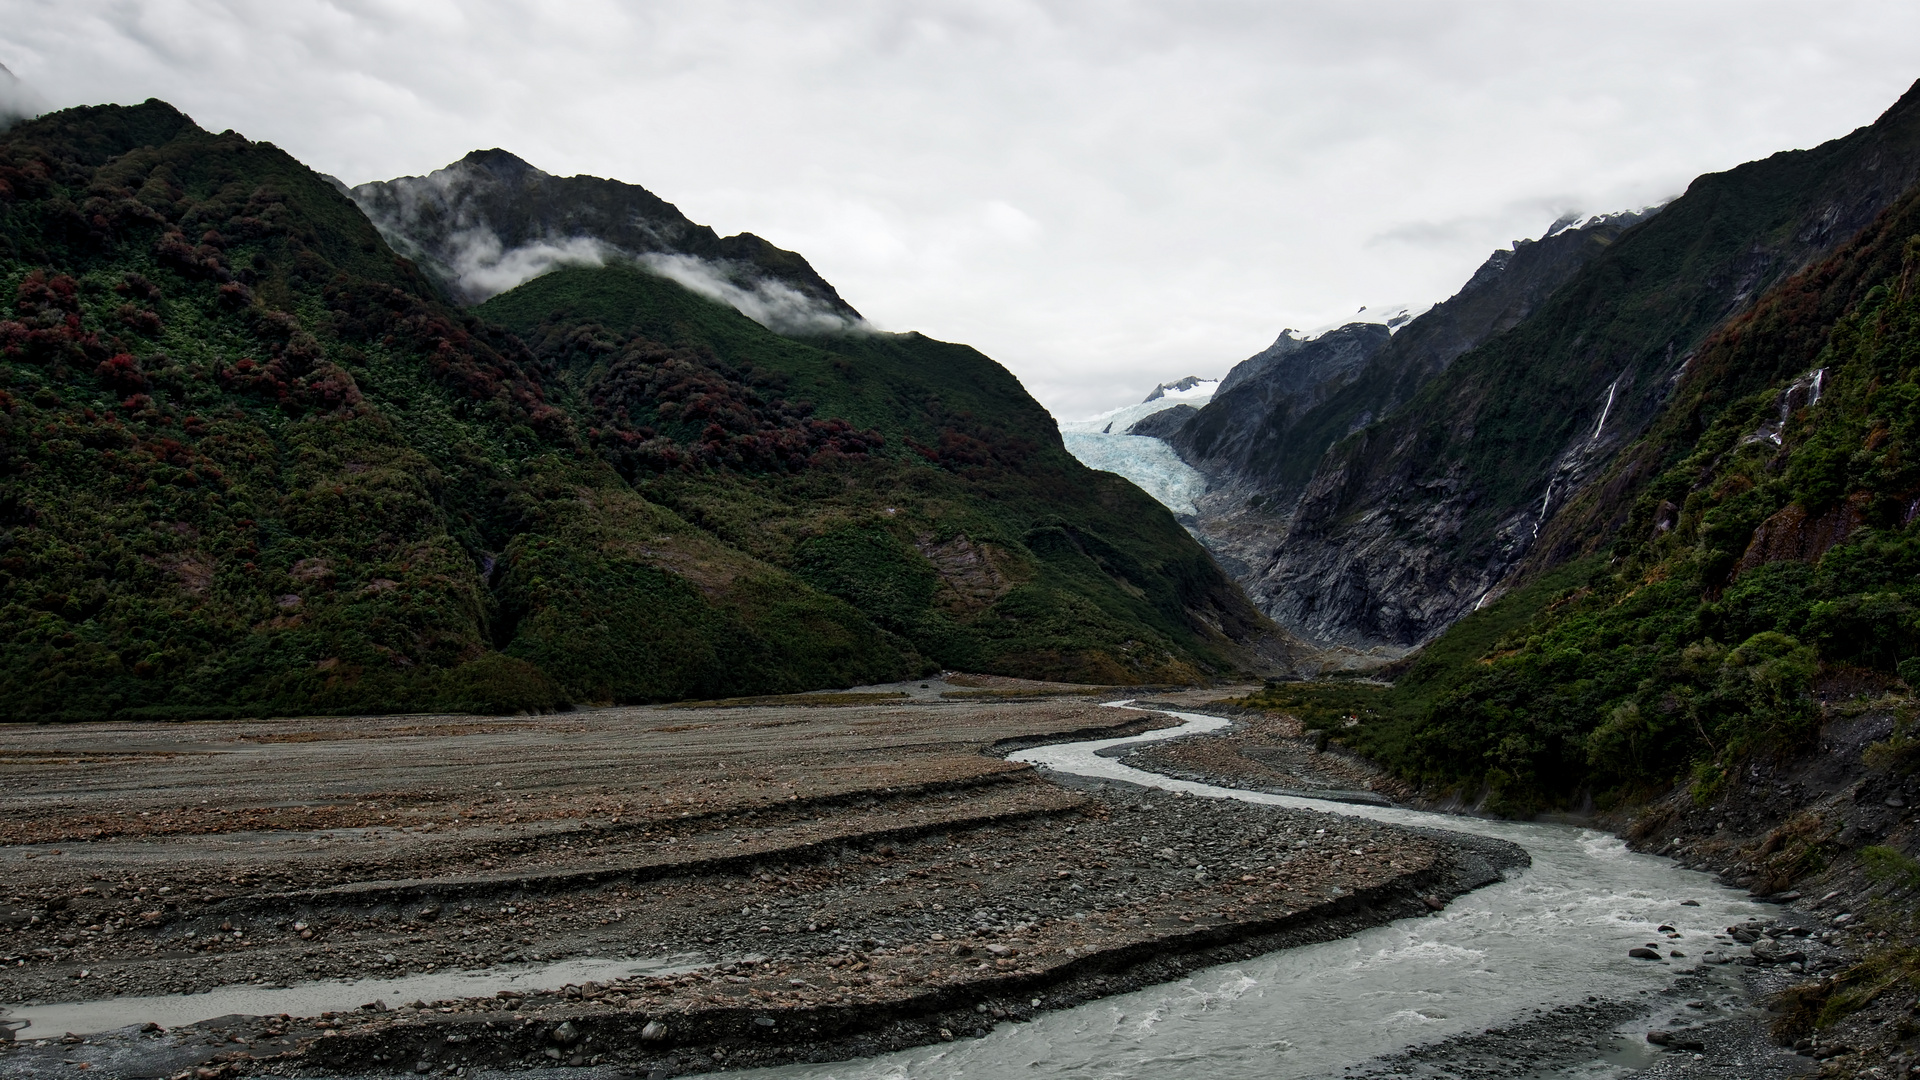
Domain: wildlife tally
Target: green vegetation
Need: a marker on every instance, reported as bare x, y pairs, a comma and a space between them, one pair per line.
251, 464
1498, 416
938, 499
1770, 554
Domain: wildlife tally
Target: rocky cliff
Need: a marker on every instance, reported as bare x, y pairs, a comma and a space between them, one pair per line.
1403, 524
1241, 432
1279, 410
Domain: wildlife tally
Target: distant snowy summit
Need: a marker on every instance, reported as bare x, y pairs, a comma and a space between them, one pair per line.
1184, 390
1192, 391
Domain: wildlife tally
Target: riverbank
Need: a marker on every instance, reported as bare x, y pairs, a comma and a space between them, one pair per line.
840, 879
1735, 1032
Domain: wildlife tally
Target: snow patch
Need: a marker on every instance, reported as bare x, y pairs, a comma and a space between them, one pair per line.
1394, 317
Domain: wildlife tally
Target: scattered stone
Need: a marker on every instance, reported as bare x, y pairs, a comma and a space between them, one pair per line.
1674, 1041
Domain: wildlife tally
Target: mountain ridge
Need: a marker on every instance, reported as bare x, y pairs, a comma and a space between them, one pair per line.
491, 221
251, 463
1405, 523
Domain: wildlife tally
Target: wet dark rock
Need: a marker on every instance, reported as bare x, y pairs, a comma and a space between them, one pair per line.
1674, 1041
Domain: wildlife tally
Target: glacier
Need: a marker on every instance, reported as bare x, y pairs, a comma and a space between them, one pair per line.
1101, 442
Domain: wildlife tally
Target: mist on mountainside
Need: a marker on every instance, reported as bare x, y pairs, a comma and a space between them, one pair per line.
490, 222
18, 101
770, 302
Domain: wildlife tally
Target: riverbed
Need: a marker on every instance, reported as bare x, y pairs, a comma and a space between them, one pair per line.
1553, 935
878, 892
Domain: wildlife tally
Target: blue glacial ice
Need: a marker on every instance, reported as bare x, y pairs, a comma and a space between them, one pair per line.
1102, 443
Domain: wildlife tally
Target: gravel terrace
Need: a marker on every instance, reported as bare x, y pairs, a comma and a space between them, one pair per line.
846, 876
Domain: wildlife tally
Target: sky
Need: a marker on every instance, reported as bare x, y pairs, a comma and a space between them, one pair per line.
1101, 195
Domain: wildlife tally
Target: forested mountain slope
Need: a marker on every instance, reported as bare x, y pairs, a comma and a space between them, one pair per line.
1746, 572
251, 462
1408, 523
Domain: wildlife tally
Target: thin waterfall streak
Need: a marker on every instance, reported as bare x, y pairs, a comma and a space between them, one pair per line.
1604, 412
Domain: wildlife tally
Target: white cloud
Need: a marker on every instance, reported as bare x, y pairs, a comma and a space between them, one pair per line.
17, 99
482, 269
773, 304
1101, 195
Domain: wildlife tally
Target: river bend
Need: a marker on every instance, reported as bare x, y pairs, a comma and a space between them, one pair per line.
1553, 934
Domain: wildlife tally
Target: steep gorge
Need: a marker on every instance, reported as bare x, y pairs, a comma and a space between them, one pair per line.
1383, 514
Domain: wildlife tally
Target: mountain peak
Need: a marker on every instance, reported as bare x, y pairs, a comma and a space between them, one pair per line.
1177, 387
502, 164
492, 221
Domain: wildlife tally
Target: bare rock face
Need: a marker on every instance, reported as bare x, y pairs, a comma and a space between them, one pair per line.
1242, 431
1379, 516
1278, 413
1163, 423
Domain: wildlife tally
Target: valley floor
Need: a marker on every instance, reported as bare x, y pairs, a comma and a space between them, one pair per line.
802, 878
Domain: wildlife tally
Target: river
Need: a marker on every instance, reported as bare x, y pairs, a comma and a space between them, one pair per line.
1553, 934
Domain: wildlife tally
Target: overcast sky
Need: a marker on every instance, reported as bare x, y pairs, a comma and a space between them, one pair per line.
1100, 195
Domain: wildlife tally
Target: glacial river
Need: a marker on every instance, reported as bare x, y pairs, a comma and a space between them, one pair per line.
1552, 934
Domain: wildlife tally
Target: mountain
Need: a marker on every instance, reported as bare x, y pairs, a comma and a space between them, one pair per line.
1730, 613
1713, 644
1278, 411
1746, 562
490, 221
1387, 533
253, 462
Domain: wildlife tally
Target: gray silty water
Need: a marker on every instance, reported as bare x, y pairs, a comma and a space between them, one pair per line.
1553, 934
314, 998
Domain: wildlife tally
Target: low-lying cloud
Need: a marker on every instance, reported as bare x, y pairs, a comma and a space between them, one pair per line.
478, 266
17, 100
482, 267
773, 304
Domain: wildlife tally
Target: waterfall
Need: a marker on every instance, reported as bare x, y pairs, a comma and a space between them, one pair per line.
1604, 412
